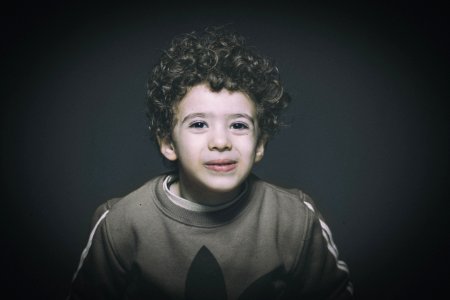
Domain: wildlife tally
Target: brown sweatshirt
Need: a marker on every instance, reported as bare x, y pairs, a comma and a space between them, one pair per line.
271, 244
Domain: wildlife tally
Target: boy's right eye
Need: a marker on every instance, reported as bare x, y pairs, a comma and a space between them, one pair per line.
198, 124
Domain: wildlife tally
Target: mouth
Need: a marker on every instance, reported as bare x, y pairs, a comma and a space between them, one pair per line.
221, 165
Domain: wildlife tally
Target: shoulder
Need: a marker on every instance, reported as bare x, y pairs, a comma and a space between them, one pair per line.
121, 211
290, 209
285, 198
120, 221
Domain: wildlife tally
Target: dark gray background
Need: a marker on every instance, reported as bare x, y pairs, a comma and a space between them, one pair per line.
369, 139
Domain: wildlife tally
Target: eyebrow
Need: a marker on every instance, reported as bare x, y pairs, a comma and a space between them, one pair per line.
204, 115
245, 116
193, 116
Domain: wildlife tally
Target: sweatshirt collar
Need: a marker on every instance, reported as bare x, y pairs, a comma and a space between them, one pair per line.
193, 206
207, 218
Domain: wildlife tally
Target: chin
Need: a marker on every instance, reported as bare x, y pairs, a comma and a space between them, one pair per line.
224, 185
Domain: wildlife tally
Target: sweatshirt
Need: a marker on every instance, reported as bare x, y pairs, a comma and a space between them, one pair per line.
270, 244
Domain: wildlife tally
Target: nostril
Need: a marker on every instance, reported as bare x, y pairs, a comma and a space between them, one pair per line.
220, 143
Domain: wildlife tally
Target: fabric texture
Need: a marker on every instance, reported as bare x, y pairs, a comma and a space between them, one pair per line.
271, 244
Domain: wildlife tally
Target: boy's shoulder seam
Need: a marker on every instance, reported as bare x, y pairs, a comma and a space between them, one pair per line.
134, 195
121, 206
111, 202
293, 192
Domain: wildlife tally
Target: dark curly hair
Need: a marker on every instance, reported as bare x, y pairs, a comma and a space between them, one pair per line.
222, 60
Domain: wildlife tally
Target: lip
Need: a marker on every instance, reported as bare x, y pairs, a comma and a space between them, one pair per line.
221, 165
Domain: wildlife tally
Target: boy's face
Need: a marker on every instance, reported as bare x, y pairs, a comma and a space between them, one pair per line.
215, 140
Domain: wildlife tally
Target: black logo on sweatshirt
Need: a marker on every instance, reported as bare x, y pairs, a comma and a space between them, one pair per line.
205, 281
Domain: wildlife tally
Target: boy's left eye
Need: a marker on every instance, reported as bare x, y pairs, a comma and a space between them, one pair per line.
239, 126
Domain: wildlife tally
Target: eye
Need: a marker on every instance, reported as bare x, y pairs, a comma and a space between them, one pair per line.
239, 126
198, 124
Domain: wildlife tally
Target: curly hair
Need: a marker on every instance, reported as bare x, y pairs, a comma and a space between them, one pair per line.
222, 60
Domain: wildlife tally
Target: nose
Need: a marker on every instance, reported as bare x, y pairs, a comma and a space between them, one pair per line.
219, 140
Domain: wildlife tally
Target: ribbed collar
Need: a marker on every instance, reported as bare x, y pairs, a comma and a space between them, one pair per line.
189, 205
202, 219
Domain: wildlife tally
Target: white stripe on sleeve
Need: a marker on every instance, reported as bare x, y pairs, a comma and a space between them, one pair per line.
309, 205
326, 233
88, 246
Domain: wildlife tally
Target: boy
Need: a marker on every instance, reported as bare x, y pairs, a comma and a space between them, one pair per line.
210, 229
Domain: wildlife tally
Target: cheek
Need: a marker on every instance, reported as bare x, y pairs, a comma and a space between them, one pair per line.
246, 147
188, 147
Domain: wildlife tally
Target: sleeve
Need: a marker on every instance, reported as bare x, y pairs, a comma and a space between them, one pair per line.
100, 274
320, 272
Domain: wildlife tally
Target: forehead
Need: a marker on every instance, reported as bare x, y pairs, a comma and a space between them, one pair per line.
201, 99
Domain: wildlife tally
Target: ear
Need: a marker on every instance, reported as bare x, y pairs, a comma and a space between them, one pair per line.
260, 149
167, 148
